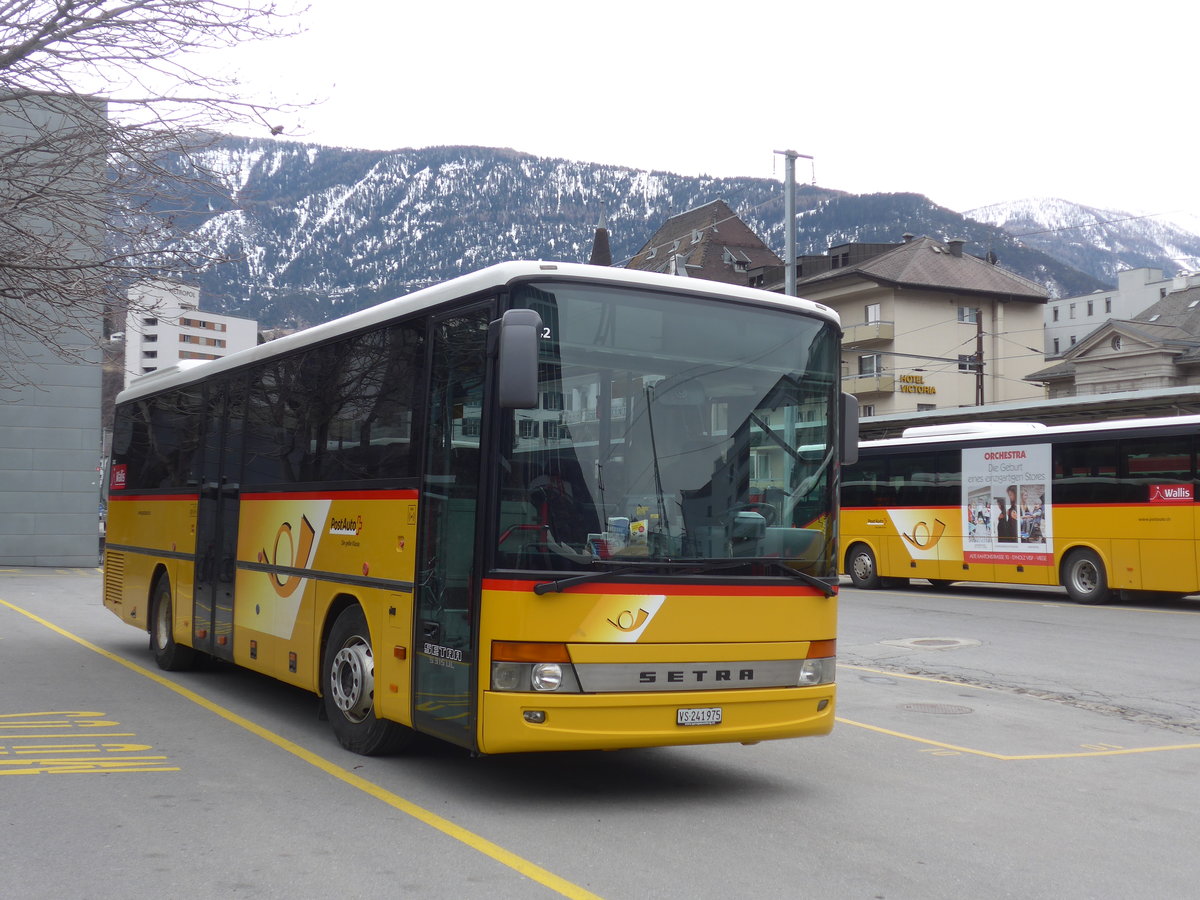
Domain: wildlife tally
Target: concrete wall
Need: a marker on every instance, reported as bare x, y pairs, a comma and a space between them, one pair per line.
50, 421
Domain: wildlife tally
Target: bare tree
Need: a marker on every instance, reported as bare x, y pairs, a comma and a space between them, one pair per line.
96, 96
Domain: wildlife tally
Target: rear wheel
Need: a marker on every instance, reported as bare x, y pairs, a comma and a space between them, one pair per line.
861, 567
169, 655
348, 685
1084, 577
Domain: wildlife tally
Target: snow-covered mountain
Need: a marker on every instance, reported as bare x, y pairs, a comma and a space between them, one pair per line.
313, 232
1100, 242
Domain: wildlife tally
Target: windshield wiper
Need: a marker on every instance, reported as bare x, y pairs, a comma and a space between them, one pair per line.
825, 586
678, 565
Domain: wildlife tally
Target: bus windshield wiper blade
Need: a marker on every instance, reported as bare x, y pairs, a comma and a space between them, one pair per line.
548, 587
686, 565
825, 587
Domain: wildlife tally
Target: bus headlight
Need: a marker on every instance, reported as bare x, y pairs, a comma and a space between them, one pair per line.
533, 666
546, 676
507, 676
817, 671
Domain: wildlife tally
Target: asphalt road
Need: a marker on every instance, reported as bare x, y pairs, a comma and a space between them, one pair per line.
990, 744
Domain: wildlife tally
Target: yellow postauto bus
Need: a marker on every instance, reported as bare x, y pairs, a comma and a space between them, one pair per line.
540, 507
1098, 508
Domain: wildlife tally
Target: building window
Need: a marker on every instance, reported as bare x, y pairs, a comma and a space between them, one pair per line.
528, 428
149, 338
1091, 310
552, 400
1072, 340
1054, 314
150, 320
870, 364
971, 315
1115, 343
471, 427
1056, 345
866, 409
966, 362
1072, 311
149, 354
873, 313
1162, 292
1108, 304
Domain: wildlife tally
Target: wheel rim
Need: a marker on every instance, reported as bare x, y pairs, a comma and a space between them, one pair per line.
352, 679
1087, 578
863, 567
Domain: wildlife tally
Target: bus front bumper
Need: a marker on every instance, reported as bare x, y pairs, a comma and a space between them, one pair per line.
509, 721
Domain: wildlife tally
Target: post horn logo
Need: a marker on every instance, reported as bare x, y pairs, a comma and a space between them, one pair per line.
627, 621
923, 537
297, 552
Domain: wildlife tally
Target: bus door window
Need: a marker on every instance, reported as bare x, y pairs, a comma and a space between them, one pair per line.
217, 519
445, 610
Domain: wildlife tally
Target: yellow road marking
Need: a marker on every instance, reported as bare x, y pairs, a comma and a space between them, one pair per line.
457, 832
978, 687
1126, 751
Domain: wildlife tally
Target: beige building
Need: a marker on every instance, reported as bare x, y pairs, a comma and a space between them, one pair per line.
915, 316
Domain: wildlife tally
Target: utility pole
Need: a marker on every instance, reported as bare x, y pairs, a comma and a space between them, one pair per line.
789, 214
978, 356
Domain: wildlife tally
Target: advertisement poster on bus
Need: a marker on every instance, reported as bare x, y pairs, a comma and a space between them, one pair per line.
1007, 510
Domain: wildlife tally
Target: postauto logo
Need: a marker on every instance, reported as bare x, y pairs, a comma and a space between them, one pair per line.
346, 525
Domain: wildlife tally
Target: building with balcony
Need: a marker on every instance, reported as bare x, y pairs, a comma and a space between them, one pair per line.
918, 318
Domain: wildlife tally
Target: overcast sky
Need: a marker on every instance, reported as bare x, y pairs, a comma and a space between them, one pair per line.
967, 103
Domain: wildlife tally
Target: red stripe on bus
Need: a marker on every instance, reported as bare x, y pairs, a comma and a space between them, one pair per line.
719, 590
112, 497
336, 495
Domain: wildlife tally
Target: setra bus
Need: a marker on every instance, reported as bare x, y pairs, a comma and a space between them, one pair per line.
540, 507
1097, 508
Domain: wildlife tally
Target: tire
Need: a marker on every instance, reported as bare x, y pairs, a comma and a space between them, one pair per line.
1084, 577
861, 567
348, 686
169, 655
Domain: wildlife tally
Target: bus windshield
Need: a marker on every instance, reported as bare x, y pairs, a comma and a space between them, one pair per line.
671, 429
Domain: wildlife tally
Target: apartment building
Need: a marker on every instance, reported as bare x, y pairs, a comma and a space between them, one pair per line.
165, 325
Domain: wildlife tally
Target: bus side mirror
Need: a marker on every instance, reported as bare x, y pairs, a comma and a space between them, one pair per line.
849, 411
517, 371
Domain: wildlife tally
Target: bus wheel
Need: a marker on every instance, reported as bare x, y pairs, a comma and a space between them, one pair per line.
169, 655
1084, 577
861, 567
348, 683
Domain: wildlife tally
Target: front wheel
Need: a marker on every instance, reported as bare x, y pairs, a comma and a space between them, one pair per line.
1084, 577
169, 655
861, 567
348, 685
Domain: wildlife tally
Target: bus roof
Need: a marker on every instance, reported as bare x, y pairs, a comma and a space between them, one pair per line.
1028, 432
492, 278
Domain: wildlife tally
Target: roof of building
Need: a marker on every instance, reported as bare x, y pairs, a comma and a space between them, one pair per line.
936, 265
708, 242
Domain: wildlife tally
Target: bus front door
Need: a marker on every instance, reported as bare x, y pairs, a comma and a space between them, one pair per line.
446, 611
216, 523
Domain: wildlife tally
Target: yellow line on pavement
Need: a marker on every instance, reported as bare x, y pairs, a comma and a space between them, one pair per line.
942, 745
474, 841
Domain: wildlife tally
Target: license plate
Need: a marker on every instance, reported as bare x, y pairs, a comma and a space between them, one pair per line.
705, 715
